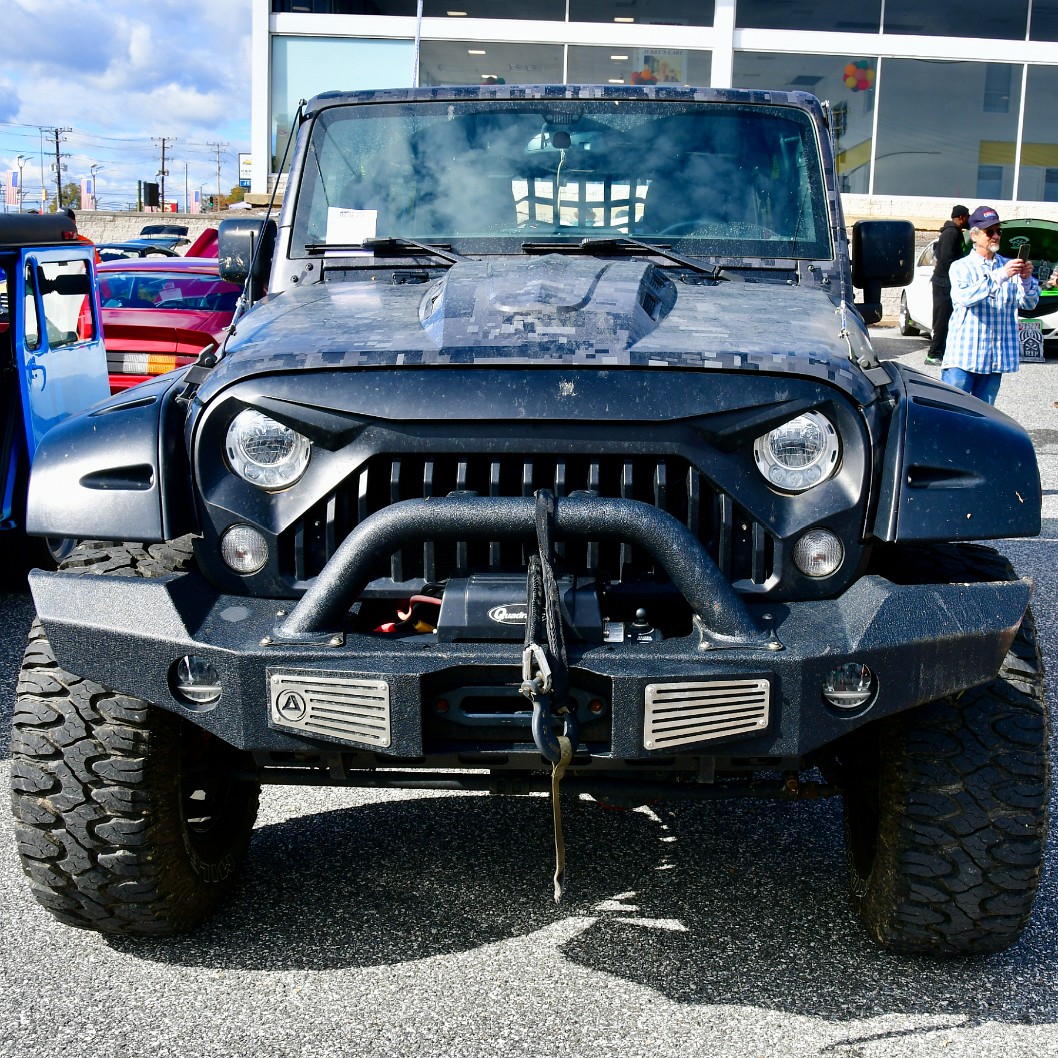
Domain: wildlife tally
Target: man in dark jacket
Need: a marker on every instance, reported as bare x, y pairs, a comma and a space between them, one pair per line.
950, 247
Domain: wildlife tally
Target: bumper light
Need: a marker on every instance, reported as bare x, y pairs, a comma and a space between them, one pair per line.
818, 553
849, 686
195, 682
243, 549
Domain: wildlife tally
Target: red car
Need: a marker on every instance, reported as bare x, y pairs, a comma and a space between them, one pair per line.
160, 313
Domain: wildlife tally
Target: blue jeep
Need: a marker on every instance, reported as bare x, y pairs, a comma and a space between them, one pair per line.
52, 360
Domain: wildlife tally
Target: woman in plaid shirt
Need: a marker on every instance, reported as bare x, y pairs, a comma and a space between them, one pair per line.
986, 290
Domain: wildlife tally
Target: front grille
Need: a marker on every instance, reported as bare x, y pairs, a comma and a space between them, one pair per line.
740, 546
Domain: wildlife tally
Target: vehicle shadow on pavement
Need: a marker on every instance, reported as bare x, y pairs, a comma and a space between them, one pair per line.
716, 903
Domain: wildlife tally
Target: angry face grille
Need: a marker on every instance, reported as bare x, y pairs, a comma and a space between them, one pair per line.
740, 546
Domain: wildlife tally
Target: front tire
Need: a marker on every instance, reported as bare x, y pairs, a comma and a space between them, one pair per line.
129, 819
946, 813
907, 327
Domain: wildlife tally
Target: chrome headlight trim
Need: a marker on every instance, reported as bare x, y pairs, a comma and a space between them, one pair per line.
799, 454
265, 452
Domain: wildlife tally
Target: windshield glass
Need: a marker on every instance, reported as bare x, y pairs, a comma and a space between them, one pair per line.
716, 179
166, 290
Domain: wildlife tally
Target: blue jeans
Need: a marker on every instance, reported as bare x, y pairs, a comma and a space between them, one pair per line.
984, 387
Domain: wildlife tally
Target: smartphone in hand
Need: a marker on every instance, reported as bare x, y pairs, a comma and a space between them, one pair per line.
1023, 258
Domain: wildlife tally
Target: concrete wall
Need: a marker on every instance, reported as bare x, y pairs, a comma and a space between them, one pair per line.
106, 226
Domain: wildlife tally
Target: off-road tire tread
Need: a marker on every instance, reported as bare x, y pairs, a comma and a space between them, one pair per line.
963, 790
95, 781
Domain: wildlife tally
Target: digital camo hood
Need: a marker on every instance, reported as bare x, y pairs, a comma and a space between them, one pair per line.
550, 310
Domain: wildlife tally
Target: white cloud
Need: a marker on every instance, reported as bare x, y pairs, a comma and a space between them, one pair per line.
122, 74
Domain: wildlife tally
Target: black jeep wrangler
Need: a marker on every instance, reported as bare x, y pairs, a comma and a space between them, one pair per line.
551, 454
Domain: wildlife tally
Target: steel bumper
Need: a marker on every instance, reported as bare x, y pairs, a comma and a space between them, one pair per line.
922, 642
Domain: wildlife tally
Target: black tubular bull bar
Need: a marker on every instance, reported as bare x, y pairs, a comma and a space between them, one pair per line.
719, 613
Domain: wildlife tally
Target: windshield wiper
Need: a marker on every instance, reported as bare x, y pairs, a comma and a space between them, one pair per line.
389, 245
619, 244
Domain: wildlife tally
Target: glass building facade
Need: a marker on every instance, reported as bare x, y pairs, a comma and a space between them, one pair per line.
928, 100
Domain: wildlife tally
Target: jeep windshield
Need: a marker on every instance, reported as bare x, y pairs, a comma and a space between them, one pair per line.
719, 180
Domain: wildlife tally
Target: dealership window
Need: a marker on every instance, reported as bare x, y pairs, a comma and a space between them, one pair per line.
824, 16
997, 88
643, 12
1038, 175
345, 7
589, 65
1044, 24
539, 10
1006, 20
989, 181
932, 139
456, 62
304, 66
847, 81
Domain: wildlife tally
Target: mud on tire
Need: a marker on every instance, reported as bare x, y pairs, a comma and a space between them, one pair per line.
129, 820
946, 805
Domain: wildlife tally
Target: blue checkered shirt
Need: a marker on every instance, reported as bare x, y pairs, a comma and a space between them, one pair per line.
983, 334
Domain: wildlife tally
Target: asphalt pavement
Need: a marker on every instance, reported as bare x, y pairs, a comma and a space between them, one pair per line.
392, 924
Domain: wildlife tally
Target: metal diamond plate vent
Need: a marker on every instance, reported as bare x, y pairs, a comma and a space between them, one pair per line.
331, 705
678, 714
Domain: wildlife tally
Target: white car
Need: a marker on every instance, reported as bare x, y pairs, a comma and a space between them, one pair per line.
916, 300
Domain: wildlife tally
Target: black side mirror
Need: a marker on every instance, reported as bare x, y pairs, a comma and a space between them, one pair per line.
244, 249
883, 255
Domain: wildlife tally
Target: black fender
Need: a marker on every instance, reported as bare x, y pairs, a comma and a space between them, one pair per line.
118, 471
954, 468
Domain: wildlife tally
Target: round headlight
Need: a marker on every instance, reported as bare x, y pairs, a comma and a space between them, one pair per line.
800, 453
265, 452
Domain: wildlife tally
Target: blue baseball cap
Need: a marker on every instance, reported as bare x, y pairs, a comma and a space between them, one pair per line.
984, 217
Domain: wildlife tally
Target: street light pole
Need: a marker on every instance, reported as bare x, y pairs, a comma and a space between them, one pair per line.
21, 162
93, 169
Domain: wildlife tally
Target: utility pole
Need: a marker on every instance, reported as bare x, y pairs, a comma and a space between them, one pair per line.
163, 172
218, 147
58, 135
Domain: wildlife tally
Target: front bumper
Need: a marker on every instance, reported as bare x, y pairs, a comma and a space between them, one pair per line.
922, 642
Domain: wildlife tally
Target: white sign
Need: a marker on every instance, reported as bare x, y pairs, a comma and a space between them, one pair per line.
349, 227
245, 169
1030, 341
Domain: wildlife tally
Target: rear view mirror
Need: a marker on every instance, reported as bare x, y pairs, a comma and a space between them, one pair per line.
883, 255
244, 249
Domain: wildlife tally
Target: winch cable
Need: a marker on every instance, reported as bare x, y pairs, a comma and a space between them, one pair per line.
548, 687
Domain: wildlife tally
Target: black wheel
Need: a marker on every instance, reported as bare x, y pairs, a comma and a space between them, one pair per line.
907, 328
946, 808
129, 819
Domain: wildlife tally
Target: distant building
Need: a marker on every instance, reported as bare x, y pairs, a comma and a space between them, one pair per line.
954, 102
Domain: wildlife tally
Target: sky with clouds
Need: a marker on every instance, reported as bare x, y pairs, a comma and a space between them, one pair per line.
121, 75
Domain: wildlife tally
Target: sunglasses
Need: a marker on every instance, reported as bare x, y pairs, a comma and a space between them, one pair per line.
994, 230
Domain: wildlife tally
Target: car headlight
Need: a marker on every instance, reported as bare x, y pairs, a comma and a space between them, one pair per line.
800, 453
265, 452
